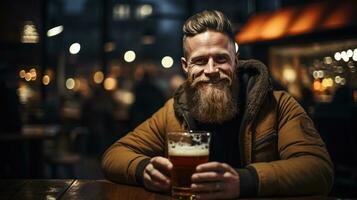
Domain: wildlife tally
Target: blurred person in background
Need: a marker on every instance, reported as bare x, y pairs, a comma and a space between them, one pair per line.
337, 123
97, 114
263, 142
148, 98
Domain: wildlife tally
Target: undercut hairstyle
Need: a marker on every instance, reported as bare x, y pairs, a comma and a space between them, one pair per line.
208, 20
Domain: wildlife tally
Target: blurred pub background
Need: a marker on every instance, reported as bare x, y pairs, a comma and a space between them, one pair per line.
76, 75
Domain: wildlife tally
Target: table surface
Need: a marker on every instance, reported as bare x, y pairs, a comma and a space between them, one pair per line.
87, 189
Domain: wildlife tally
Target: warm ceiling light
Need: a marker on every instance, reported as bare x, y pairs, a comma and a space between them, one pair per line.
145, 10
28, 76
70, 83
338, 56
74, 48
110, 83
29, 33
349, 53
129, 56
46, 79
22, 73
167, 62
289, 75
98, 77
317, 86
54, 31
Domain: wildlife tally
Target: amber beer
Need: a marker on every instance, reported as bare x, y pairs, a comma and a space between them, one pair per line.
186, 151
185, 163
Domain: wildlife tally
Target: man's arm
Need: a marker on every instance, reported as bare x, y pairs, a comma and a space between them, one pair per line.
127, 158
305, 167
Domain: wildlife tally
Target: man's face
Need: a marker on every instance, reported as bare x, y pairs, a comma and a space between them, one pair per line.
210, 65
210, 59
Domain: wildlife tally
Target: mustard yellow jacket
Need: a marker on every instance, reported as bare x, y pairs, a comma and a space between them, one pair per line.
277, 139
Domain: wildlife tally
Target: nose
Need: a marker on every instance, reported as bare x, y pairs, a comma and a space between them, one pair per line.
211, 70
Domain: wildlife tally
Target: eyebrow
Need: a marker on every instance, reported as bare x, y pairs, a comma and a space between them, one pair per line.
195, 57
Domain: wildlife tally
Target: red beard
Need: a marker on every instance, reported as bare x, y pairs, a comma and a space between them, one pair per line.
213, 101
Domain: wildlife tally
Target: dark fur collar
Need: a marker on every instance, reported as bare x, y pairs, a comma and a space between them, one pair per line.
254, 80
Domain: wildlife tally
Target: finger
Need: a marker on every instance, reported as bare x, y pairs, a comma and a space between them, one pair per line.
214, 166
208, 187
212, 195
207, 177
151, 184
228, 176
159, 177
162, 164
156, 175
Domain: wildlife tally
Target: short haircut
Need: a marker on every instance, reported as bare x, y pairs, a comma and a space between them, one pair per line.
208, 20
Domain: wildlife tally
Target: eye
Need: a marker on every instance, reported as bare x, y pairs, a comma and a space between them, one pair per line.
200, 61
221, 59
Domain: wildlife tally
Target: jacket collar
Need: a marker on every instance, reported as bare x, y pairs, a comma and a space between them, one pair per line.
254, 83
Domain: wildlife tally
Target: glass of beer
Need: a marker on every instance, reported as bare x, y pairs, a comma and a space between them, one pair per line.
186, 150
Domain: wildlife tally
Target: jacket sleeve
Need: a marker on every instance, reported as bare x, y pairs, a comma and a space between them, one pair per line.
305, 167
121, 160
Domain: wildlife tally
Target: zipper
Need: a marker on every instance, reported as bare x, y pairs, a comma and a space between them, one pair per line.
187, 121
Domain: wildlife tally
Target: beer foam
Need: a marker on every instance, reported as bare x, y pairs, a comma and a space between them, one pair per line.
201, 150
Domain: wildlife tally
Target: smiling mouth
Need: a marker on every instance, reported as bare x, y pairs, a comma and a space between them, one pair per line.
216, 83
213, 83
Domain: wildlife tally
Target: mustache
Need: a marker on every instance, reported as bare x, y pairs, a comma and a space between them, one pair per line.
204, 79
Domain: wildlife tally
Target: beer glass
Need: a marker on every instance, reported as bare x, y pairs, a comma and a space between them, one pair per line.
186, 150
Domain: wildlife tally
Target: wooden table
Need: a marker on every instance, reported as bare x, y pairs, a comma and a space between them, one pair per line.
87, 189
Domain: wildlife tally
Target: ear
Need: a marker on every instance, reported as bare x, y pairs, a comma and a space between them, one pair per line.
184, 65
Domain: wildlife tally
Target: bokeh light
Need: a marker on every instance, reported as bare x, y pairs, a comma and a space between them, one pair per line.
110, 83
74, 48
46, 79
129, 56
98, 77
70, 83
167, 61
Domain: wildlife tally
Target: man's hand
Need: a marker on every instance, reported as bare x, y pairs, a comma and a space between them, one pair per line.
216, 180
156, 175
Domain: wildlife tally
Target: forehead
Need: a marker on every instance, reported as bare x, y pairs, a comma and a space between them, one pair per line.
208, 42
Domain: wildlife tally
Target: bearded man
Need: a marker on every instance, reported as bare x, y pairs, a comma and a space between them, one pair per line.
263, 143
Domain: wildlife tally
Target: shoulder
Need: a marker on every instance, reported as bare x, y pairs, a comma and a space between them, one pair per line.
283, 98
287, 107
169, 106
167, 116
274, 99
166, 112
278, 101
170, 102
281, 94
